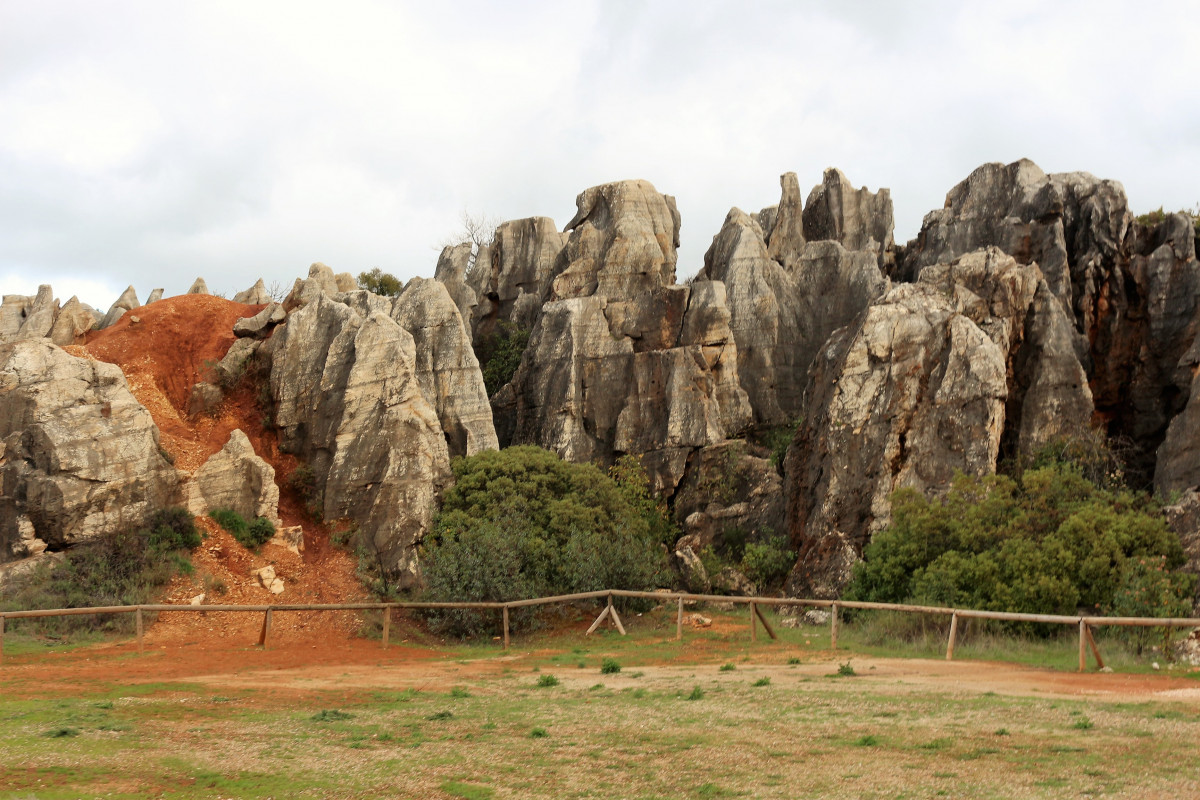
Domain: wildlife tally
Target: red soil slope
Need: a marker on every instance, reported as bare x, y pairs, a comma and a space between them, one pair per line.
173, 344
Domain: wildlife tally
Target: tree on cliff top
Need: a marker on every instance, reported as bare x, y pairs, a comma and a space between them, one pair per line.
380, 282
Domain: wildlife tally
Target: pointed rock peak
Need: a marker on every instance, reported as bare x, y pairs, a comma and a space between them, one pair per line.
787, 234
199, 287
858, 219
128, 300
155, 296
255, 295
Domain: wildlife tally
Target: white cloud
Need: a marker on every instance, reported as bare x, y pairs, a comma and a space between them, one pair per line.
149, 143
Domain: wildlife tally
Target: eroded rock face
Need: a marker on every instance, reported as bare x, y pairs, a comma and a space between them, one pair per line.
348, 402
1048, 394
256, 295
73, 321
235, 477
452, 272
790, 290
446, 368
912, 394
514, 280
128, 301
622, 360
198, 287
80, 455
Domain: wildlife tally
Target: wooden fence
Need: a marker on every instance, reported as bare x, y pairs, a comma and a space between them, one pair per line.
756, 616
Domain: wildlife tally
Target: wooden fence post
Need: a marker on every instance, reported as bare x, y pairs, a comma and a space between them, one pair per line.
763, 619
612, 612
753, 624
505, 610
678, 622
833, 626
1082, 645
387, 625
1095, 650
265, 633
141, 644
953, 636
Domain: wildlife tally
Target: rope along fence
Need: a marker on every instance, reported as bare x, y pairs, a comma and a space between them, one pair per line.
755, 613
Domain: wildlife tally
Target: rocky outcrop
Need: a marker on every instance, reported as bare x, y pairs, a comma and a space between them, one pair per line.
320, 280
1132, 292
911, 394
80, 457
24, 317
1048, 394
256, 295
73, 321
128, 301
236, 478
261, 324
792, 287
348, 402
155, 296
198, 287
514, 281
452, 272
446, 368
621, 360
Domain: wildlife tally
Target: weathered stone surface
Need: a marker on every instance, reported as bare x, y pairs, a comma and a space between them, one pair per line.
345, 282
205, 398
320, 280
905, 398
452, 272
787, 233
80, 455
260, 325
515, 280
40, 318
858, 219
622, 242
254, 296
290, 538
1048, 394
231, 366
235, 477
446, 368
126, 302
198, 287
155, 296
13, 312
781, 316
348, 402
73, 321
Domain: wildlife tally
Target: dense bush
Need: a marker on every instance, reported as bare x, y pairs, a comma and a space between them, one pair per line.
249, 534
126, 568
1051, 542
499, 355
522, 523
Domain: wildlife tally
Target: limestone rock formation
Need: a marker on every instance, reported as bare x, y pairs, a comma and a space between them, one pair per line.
514, 281
40, 318
198, 287
260, 325
1132, 292
320, 280
621, 361
349, 404
913, 393
256, 295
446, 368
155, 296
236, 478
452, 272
789, 290
80, 455
1048, 394
128, 301
73, 321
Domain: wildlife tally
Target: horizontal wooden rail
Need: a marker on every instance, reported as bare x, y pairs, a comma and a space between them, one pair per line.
1084, 623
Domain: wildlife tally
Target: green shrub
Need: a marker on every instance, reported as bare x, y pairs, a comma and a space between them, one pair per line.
380, 282
1052, 543
499, 355
522, 523
248, 534
1149, 589
609, 666
767, 562
546, 681
173, 529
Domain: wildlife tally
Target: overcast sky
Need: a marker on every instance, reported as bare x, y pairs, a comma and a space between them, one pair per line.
152, 142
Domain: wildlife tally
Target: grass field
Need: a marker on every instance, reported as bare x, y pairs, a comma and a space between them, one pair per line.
606, 716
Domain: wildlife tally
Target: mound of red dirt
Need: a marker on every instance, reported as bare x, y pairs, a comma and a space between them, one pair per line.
164, 348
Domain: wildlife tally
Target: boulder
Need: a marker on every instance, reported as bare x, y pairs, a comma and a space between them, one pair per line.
349, 404
909, 395
320, 280
290, 538
235, 477
80, 454
260, 325
446, 368
73, 321
126, 302
256, 295
205, 398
